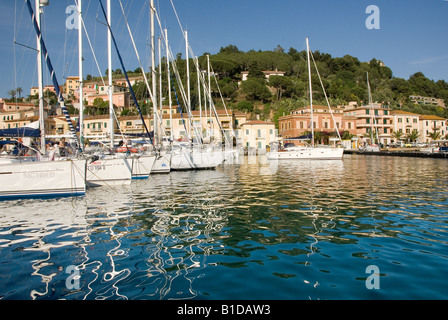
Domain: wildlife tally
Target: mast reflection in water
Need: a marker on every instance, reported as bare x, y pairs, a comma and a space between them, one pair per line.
249, 230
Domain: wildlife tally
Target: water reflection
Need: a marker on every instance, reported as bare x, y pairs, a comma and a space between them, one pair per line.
289, 229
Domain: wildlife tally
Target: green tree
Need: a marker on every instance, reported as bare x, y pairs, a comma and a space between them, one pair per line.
12, 93
255, 89
397, 135
435, 134
246, 106
19, 91
281, 84
413, 136
255, 71
229, 49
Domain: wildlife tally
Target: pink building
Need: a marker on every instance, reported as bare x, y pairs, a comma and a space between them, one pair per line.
122, 100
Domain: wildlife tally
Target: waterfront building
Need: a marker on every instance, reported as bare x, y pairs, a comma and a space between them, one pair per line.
18, 118
405, 123
98, 126
298, 122
257, 135
429, 124
375, 118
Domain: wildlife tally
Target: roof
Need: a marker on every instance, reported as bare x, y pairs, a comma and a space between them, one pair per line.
430, 117
252, 122
404, 112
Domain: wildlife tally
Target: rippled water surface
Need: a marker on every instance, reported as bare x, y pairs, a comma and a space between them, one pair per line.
248, 230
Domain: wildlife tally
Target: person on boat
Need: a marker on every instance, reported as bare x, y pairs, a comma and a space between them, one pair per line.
63, 148
51, 151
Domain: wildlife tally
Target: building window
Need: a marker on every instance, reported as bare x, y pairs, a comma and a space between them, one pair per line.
301, 124
400, 120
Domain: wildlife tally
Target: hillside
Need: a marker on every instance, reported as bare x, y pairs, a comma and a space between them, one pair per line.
344, 79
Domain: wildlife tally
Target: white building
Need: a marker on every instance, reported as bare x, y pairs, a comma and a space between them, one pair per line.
257, 135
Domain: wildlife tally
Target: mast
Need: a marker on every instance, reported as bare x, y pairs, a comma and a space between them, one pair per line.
81, 80
111, 94
52, 73
40, 80
199, 92
210, 99
188, 81
311, 91
160, 86
169, 84
154, 81
372, 117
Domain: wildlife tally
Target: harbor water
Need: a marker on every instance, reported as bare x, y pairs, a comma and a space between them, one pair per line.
365, 227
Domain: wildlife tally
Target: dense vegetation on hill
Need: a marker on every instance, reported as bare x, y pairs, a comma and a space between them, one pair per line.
344, 79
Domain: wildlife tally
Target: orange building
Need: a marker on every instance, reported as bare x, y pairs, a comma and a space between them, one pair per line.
299, 121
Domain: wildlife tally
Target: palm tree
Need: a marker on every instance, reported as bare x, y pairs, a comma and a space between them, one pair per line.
397, 135
413, 136
19, 91
435, 135
12, 93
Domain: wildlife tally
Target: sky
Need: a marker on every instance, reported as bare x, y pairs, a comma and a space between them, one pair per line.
412, 35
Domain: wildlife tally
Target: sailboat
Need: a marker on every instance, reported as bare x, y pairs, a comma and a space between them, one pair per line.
311, 152
42, 177
117, 168
193, 156
371, 146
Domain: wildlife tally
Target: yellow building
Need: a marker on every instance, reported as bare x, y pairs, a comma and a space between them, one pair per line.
71, 85
257, 135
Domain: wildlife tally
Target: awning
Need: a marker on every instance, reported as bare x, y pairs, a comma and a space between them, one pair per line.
20, 132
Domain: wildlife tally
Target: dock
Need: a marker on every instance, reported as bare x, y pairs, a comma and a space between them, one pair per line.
400, 153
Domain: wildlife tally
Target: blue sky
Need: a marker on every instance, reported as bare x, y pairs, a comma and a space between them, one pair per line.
412, 35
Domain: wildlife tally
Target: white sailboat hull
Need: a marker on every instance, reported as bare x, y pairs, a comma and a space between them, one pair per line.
109, 171
38, 179
307, 154
162, 164
142, 166
196, 159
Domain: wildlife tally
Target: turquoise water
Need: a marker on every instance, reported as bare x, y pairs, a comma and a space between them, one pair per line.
248, 230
